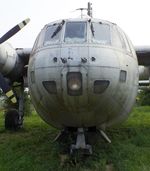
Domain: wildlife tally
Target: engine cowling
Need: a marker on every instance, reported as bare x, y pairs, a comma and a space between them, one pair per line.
144, 73
11, 66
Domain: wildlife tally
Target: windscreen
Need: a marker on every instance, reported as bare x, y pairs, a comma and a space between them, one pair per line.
75, 32
52, 34
100, 33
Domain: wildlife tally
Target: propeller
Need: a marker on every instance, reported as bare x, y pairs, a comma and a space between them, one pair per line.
3, 83
14, 30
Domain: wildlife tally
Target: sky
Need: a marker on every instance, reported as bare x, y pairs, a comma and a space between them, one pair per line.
133, 16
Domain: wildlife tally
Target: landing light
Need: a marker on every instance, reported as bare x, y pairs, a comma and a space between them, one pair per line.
74, 83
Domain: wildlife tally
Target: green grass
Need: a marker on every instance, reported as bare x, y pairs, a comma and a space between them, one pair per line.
32, 148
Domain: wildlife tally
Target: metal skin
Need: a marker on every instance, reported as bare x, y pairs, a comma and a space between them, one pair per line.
104, 62
8, 58
11, 65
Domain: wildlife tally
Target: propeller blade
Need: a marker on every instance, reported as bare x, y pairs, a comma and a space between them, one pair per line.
7, 89
14, 30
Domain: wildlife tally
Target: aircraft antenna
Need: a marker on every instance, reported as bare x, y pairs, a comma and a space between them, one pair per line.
81, 9
88, 9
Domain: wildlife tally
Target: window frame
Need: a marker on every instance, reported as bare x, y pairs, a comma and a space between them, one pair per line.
52, 42
98, 41
85, 33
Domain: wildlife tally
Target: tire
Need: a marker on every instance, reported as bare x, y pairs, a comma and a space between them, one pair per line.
12, 119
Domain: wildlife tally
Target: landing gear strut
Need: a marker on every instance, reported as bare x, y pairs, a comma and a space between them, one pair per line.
82, 135
14, 116
80, 143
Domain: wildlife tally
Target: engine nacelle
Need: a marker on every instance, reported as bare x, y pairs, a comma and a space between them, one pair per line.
11, 65
8, 58
144, 73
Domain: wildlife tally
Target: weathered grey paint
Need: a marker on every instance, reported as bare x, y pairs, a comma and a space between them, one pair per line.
100, 110
8, 58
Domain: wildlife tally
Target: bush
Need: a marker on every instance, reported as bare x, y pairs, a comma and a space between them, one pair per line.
143, 98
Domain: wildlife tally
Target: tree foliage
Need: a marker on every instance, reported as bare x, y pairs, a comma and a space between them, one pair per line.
143, 97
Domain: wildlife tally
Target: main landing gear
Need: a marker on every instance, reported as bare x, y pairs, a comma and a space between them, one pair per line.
14, 115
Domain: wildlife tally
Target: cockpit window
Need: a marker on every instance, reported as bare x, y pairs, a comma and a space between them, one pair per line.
119, 39
100, 33
52, 34
75, 32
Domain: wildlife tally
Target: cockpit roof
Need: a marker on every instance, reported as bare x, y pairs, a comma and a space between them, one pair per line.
82, 30
80, 20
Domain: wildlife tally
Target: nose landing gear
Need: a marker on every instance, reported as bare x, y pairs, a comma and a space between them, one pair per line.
80, 143
82, 135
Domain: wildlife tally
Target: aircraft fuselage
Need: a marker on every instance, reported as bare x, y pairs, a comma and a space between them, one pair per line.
83, 82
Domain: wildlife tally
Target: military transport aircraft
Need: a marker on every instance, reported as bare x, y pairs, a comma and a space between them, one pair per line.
83, 75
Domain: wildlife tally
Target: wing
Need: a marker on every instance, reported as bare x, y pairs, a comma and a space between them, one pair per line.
143, 55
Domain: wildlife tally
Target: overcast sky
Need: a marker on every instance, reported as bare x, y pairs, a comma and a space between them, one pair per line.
133, 16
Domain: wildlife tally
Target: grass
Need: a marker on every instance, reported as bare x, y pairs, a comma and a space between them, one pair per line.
32, 148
